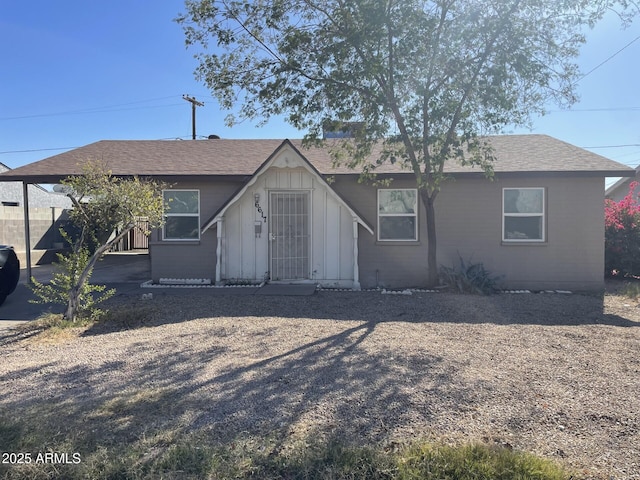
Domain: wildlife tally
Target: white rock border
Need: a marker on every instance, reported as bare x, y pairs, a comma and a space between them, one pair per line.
561, 292
184, 281
204, 284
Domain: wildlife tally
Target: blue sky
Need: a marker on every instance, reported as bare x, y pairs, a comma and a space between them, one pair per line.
75, 71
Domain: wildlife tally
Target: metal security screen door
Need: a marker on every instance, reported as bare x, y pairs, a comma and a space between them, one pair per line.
289, 235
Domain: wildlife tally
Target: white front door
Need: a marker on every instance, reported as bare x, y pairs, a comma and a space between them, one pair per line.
289, 235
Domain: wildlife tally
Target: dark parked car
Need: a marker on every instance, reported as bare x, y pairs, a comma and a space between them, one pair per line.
9, 272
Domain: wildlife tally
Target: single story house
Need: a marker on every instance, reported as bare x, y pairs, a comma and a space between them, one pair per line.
249, 210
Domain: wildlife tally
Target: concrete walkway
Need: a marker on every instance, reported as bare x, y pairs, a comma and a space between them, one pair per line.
124, 271
116, 267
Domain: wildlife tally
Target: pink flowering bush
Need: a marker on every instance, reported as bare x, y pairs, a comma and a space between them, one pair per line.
622, 235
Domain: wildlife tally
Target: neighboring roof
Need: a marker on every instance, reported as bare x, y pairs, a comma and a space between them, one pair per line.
612, 188
185, 158
11, 193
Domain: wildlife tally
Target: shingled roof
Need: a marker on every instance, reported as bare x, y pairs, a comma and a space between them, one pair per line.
514, 154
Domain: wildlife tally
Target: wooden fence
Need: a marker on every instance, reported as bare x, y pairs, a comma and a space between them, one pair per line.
135, 239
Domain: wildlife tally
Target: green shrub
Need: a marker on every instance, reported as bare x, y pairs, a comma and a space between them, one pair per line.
467, 277
67, 272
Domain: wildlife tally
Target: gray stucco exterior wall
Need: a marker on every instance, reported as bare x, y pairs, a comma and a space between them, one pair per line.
191, 259
469, 215
385, 264
469, 224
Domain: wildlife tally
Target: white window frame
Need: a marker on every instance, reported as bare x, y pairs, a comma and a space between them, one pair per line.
414, 214
167, 214
542, 215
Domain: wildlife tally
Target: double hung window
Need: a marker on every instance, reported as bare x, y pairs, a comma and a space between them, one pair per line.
523, 215
182, 215
398, 214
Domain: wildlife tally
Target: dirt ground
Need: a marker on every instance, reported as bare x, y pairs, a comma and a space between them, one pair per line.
556, 375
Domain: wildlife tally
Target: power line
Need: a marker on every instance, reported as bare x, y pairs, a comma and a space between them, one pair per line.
628, 154
37, 150
616, 146
609, 58
81, 112
103, 109
71, 148
603, 109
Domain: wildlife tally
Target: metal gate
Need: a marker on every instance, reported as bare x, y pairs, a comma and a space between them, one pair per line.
289, 235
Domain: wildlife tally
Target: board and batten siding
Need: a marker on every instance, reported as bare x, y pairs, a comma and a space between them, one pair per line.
246, 254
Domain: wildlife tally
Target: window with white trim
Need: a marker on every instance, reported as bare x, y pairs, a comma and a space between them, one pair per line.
181, 215
398, 214
523, 212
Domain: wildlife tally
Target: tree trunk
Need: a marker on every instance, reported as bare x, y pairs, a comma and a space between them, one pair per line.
72, 304
432, 263
74, 294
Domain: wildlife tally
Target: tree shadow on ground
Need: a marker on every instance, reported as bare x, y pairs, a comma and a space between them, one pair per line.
332, 386
528, 309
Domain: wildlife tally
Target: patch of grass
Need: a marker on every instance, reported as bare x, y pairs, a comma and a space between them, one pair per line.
188, 460
10, 433
473, 462
166, 453
335, 460
630, 290
55, 321
52, 328
129, 411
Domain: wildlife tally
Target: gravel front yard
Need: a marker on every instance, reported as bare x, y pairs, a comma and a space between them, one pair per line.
556, 375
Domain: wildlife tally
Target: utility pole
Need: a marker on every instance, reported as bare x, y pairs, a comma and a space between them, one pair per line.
194, 104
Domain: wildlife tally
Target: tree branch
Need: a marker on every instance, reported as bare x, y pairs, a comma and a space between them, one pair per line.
472, 82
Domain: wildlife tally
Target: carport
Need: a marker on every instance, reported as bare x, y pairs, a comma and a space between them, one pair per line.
7, 176
33, 174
